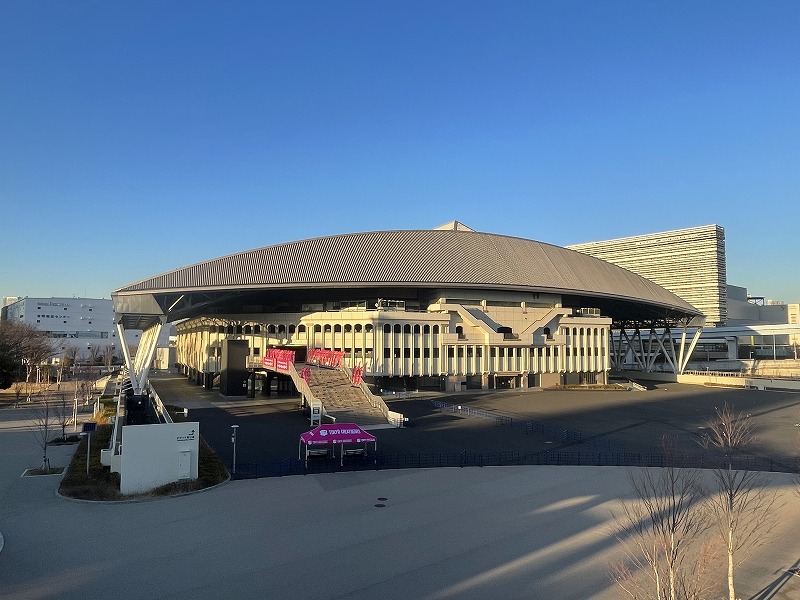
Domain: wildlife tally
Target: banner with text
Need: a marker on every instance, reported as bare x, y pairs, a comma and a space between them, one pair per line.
278, 359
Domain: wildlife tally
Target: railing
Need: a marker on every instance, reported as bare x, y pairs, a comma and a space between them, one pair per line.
392, 417
530, 427
161, 412
747, 374
304, 389
381, 460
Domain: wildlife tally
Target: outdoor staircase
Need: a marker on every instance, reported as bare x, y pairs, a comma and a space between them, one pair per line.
343, 401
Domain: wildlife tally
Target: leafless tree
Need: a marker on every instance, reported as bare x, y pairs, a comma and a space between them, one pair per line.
44, 421
108, 356
25, 349
36, 349
61, 367
743, 507
63, 414
660, 532
19, 391
70, 357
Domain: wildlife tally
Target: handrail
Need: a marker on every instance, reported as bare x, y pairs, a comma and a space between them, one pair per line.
159, 405
739, 374
304, 389
392, 417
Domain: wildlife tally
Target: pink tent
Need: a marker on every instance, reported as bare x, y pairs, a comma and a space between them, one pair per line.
331, 434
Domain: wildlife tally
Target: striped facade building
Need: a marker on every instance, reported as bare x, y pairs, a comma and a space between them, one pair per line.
688, 262
448, 308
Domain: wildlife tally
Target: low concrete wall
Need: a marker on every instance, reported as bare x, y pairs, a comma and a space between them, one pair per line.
154, 455
721, 379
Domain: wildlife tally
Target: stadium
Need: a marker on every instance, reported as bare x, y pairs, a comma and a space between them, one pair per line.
447, 309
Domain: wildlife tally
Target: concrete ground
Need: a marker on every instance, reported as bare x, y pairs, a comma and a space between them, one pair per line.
506, 532
620, 421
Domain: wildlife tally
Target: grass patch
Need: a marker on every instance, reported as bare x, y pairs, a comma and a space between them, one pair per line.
210, 472
50, 471
101, 484
72, 438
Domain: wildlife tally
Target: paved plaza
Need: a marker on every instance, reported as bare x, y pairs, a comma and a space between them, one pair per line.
504, 532
618, 421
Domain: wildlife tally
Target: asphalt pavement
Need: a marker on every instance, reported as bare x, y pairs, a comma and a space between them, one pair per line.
505, 532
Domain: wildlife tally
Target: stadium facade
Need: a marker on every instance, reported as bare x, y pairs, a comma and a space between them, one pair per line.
688, 262
448, 308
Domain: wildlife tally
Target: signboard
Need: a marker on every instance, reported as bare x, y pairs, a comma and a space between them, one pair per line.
336, 433
278, 359
89, 427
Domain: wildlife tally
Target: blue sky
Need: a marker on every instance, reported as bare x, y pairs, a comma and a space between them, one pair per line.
140, 137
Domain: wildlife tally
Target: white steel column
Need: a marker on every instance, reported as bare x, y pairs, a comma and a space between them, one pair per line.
149, 340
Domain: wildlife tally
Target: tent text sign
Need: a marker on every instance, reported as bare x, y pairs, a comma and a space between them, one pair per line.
336, 433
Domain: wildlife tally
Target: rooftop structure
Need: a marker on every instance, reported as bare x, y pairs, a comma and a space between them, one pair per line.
447, 306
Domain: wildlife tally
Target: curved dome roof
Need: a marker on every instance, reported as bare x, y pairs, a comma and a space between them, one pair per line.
424, 258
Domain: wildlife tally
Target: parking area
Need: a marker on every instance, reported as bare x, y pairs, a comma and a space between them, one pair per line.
503, 421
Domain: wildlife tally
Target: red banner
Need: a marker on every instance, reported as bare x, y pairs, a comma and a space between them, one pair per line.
278, 359
325, 358
358, 374
305, 373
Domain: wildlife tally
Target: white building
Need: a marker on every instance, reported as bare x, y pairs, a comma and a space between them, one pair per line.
688, 262
82, 323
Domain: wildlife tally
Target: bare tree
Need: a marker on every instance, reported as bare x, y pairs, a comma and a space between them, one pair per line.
19, 391
743, 507
70, 357
44, 421
108, 356
660, 533
36, 349
63, 414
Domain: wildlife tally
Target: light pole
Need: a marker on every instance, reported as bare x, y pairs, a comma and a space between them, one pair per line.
233, 441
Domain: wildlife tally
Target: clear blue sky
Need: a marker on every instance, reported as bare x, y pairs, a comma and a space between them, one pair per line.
139, 137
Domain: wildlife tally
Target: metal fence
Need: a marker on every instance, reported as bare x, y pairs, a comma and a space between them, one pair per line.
382, 461
530, 427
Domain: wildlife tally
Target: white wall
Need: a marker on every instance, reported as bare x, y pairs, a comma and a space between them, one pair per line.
151, 455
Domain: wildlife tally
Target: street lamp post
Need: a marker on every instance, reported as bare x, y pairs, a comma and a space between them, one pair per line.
233, 441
